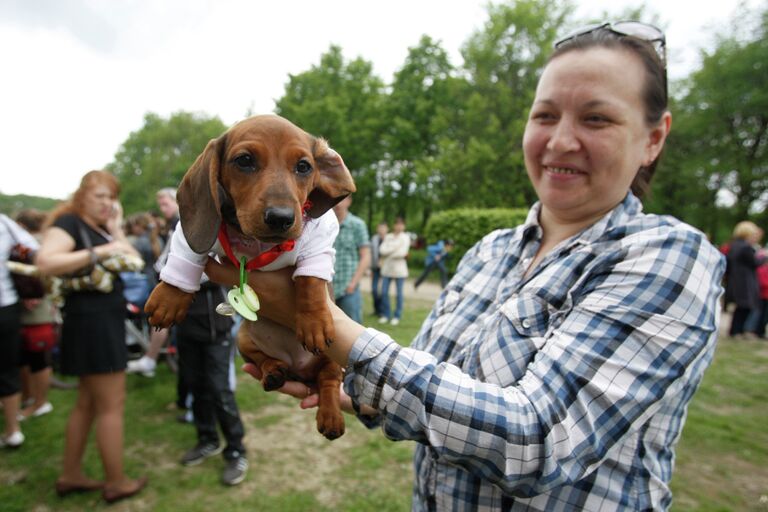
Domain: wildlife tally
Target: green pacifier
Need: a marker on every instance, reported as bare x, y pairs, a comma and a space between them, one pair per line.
242, 298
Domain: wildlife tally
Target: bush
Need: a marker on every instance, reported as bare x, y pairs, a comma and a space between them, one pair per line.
466, 226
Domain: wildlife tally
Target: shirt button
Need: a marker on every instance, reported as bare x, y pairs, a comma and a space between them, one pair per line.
526, 324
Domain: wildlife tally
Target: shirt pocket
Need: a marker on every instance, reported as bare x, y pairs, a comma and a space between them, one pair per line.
511, 339
528, 314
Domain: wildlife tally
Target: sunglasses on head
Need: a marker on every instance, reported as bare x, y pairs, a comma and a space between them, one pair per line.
637, 29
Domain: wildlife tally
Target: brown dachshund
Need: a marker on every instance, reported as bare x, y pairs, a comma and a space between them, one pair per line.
262, 184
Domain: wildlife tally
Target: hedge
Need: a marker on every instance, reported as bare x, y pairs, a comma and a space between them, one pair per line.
466, 226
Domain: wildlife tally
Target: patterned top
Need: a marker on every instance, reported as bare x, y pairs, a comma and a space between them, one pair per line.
562, 390
11, 234
353, 234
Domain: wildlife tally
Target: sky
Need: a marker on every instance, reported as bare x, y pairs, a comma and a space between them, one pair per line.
79, 75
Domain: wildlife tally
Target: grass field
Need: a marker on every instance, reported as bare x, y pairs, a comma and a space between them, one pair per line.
722, 457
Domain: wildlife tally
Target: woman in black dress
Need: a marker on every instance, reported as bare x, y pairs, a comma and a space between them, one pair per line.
83, 231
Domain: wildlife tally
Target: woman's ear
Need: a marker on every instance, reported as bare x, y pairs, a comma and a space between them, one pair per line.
656, 138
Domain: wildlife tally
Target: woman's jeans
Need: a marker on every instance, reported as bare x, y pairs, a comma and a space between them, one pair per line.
385, 309
352, 305
376, 290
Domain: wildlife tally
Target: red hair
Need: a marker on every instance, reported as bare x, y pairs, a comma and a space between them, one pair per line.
76, 204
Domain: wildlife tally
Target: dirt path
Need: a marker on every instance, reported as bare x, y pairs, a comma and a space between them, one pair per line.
426, 291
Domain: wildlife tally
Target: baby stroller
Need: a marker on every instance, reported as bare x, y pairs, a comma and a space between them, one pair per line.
136, 289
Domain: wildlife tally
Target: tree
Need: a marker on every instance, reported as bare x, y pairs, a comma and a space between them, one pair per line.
159, 153
722, 122
13, 204
502, 63
422, 92
342, 102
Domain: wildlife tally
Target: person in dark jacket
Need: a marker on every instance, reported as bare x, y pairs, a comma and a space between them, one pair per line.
205, 351
741, 285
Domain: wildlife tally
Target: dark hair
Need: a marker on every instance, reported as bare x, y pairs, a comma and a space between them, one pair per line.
31, 219
655, 91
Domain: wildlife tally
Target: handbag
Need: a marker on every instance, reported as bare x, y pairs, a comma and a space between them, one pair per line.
39, 338
27, 286
99, 276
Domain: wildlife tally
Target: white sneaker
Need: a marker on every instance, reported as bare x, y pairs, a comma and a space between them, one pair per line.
383, 320
13, 441
395, 321
144, 366
43, 409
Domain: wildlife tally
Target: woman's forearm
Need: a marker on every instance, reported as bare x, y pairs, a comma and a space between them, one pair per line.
64, 263
347, 331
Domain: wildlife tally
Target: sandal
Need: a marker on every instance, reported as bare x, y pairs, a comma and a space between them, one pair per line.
113, 496
63, 489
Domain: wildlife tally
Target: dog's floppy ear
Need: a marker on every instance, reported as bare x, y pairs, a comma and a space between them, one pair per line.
198, 197
333, 181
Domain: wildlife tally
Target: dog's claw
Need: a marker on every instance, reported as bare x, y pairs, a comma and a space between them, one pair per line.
331, 435
328, 342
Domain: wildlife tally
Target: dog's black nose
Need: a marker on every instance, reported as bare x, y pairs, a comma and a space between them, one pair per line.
279, 219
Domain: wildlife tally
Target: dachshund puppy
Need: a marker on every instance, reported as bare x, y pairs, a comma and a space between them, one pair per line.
264, 191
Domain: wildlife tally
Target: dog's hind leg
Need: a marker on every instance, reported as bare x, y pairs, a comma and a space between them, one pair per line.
274, 372
330, 420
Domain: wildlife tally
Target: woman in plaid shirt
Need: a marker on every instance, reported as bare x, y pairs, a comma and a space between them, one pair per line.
555, 369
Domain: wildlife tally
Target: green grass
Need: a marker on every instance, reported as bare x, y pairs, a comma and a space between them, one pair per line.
722, 462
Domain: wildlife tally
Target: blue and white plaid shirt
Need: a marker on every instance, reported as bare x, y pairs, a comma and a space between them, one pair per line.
562, 390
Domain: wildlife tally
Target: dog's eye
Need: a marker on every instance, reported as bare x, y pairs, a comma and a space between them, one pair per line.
303, 167
245, 163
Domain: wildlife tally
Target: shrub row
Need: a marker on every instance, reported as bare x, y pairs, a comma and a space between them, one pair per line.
466, 226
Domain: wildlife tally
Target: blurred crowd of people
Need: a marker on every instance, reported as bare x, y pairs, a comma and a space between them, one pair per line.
38, 336
86, 336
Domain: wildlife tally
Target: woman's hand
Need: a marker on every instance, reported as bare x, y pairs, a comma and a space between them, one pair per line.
115, 221
113, 247
308, 395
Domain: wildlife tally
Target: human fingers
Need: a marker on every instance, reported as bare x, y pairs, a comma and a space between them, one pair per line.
291, 388
296, 390
252, 370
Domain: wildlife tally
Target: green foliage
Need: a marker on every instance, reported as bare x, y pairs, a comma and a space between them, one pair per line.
13, 204
422, 93
159, 153
342, 102
720, 134
502, 62
444, 136
466, 226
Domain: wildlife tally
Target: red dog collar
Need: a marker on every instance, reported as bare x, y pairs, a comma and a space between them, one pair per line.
264, 258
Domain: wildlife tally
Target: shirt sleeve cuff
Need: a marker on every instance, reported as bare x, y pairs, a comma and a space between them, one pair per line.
182, 274
369, 363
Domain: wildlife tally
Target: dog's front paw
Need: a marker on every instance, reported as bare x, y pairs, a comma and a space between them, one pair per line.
167, 305
315, 330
